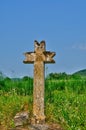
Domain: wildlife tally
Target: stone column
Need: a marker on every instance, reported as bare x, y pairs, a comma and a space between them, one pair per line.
38, 92
39, 57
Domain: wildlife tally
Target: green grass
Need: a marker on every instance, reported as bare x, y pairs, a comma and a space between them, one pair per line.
68, 109
11, 104
65, 101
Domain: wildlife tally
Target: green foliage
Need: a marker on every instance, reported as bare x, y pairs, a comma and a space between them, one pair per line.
81, 72
67, 109
10, 104
2, 76
65, 99
23, 86
62, 76
57, 76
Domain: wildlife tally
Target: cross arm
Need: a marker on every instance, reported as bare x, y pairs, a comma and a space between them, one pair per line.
30, 57
49, 57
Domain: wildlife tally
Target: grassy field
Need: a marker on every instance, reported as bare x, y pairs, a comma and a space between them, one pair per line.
65, 101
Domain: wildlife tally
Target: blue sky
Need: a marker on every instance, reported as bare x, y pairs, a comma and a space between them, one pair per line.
61, 23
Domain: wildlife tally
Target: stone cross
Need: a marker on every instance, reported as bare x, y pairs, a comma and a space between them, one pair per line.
39, 57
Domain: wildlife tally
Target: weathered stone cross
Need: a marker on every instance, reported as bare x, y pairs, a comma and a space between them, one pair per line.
39, 57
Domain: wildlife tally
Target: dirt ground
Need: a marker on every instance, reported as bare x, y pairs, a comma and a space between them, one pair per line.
50, 127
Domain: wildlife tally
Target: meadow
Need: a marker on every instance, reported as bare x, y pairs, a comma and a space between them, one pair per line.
65, 100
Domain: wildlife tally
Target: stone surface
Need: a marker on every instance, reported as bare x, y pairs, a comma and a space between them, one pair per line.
21, 119
38, 127
39, 57
35, 127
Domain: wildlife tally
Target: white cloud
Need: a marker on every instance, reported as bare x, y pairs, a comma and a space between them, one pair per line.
80, 46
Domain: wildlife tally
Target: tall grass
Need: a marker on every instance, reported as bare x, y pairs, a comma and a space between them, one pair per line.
65, 101
10, 104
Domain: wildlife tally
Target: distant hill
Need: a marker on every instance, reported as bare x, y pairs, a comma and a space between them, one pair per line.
81, 72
